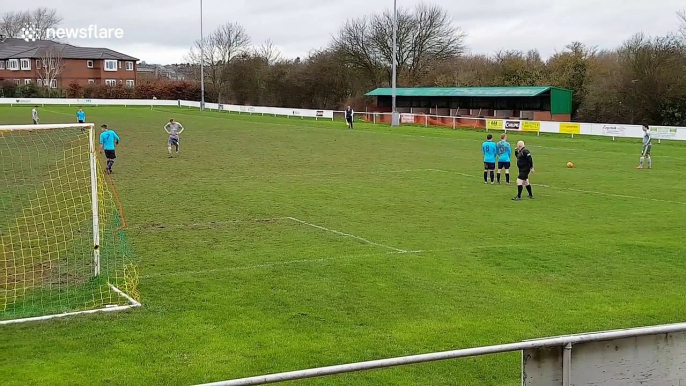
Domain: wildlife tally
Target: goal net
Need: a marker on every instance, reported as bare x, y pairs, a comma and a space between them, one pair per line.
63, 246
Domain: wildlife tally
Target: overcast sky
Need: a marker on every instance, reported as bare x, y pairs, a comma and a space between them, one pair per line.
162, 31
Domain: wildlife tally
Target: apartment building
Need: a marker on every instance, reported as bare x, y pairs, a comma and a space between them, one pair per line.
56, 65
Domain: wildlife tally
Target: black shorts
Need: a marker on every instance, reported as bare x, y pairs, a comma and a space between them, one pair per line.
109, 154
349, 119
489, 165
82, 121
173, 141
503, 165
523, 175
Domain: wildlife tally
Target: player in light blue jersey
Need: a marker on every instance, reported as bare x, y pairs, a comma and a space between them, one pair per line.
504, 154
108, 140
81, 116
645, 150
490, 151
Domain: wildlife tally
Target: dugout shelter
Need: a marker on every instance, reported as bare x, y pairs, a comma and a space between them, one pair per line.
544, 103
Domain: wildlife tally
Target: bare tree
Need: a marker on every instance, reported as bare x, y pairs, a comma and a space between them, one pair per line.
43, 19
224, 44
268, 52
426, 36
12, 23
51, 66
682, 22
40, 20
356, 42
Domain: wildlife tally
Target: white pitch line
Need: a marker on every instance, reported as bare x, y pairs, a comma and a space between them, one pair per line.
329, 174
346, 235
309, 261
208, 223
214, 223
611, 194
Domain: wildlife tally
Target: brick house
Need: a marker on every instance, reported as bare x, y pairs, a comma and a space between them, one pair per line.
56, 65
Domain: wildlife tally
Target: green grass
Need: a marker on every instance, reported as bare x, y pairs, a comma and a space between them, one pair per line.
225, 296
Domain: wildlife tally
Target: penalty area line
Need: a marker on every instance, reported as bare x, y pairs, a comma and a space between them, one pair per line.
397, 250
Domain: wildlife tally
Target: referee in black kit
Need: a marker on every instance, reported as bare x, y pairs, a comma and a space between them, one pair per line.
349, 117
525, 164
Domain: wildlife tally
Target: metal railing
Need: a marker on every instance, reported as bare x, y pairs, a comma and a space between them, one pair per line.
565, 342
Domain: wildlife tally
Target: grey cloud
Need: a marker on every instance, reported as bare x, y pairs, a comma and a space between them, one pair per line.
161, 29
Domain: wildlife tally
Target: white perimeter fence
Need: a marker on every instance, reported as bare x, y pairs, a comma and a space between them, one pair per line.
641, 356
428, 120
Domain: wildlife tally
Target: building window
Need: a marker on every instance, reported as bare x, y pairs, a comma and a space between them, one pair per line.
129, 66
27, 81
53, 83
89, 64
129, 83
2, 64
38, 64
110, 65
111, 82
13, 64
17, 81
91, 81
26, 64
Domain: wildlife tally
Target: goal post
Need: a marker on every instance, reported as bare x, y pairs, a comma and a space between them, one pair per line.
64, 248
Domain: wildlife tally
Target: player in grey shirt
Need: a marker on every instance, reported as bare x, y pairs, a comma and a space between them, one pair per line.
645, 151
173, 129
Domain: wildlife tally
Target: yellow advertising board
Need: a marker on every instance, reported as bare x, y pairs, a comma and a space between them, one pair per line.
531, 126
570, 128
494, 124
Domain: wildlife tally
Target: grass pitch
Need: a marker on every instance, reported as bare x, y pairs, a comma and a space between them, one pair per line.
274, 244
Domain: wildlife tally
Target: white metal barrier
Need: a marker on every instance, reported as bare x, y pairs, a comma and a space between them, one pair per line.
653, 355
427, 120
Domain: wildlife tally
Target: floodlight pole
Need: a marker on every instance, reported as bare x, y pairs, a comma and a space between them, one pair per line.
202, 64
395, 119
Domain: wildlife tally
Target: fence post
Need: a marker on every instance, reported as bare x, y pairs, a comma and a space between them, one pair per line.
426, 121
453, 123
567, 365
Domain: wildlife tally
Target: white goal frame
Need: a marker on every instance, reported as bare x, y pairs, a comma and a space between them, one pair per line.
92, 150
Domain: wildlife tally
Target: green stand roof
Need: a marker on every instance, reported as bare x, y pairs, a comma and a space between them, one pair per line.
463, 91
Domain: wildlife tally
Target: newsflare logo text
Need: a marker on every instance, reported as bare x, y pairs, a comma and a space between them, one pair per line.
30, 33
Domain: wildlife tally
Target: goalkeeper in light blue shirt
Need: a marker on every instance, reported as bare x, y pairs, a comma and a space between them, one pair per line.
81, 116
504, 154
490, 151
108, 139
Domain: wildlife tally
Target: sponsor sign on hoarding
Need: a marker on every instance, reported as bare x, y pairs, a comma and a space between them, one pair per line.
663, 132
495, 124
570, 128
531, 126
614, 130
406, 118
512, 125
